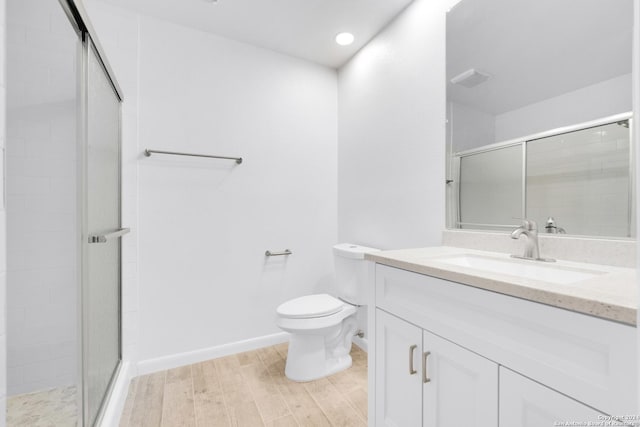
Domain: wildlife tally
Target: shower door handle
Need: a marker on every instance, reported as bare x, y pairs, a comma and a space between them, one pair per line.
103, 238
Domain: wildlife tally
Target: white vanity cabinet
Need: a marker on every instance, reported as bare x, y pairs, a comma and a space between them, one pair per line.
399, 392
525, 403
460, 388
426, 380
492, 359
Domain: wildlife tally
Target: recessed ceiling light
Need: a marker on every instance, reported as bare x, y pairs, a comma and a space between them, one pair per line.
344, 39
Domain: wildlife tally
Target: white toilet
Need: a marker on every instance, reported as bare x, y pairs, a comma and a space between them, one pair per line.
322, 326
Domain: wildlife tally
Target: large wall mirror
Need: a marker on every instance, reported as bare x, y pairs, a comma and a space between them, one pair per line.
539, 116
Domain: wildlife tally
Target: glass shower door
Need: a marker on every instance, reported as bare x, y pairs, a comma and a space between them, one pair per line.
102, 225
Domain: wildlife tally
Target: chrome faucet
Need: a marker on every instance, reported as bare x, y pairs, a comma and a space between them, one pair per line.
531, 250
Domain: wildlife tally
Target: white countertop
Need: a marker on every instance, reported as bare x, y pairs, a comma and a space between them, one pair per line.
611, 295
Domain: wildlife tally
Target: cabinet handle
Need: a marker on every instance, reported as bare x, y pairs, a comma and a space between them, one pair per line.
412, 349
425, 379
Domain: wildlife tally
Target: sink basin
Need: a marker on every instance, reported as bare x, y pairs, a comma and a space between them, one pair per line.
536, 270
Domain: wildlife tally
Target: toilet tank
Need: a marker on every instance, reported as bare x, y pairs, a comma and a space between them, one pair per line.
351, 272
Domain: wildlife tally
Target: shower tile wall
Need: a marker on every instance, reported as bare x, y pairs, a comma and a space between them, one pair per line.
41, 197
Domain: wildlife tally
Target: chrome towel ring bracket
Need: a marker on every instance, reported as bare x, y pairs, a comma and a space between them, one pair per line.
281, 253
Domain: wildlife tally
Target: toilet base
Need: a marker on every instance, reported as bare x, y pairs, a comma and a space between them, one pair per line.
307, 359
319, 346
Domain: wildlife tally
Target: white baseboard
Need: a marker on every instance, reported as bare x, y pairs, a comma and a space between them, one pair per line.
181, 359
362, 343
115, 405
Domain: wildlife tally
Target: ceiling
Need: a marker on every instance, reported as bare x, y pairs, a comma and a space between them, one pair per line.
300, 28
536, 50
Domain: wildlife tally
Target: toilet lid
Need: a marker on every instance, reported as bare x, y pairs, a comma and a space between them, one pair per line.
310, 306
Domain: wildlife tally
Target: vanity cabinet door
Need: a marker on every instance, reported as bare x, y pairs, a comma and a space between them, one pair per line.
460, 388
526, 403
398, 372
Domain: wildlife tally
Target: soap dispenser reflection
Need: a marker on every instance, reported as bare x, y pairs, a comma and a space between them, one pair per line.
552, 228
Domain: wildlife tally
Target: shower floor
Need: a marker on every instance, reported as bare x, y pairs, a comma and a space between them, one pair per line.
56, 407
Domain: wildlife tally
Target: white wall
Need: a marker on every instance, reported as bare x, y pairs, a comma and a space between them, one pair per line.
3, 239
589, 103
204, 225
469, 127
392, 134
41, 198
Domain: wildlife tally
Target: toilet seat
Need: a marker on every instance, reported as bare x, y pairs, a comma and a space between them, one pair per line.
315, 324
310, 306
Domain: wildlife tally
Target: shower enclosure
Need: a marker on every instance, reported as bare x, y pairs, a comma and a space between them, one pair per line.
63, 216
579, 178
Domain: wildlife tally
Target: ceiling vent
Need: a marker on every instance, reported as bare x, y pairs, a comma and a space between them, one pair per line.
470, 78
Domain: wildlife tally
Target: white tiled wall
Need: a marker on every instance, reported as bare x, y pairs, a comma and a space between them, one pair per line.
41, 197
3, 266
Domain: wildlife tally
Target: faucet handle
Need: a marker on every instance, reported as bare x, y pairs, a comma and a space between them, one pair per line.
529, 224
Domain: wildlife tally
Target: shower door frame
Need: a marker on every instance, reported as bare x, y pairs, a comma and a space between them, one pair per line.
88, 48
88, 41
455, 214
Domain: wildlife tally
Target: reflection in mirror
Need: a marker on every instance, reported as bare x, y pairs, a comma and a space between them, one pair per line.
576, 182
535, 91
581, 180
491, 188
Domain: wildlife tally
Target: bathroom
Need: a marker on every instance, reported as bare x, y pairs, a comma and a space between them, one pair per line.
338, 144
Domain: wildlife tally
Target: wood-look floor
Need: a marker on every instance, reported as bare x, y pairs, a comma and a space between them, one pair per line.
247, 389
